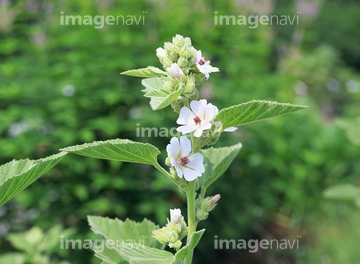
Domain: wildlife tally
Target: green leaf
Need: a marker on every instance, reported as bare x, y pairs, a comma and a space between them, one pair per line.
16, 175
343, 192
151, 84
216, 161
139, 254
13, 258
160, 99
119, 150
253, 111
150, 71
194, 240
129, 237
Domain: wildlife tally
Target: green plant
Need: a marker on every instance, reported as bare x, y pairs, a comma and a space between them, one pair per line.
193, 168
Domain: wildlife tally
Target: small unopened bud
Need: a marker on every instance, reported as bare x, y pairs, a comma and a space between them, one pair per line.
201, 214
160, 235
167, 162
215, 199
176, 244
172, 236
178, 40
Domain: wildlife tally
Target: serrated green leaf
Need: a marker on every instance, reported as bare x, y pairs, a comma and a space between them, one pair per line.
194, 240
139, 254
343, 192
150, 71
127, 236
119, 150
216, 162
151, 84
253, 111
16, 175
160, 99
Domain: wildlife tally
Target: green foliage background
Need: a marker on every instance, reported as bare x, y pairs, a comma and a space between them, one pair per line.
60, 86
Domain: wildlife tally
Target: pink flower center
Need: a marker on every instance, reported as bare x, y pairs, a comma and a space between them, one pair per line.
184, 160
197, 120
202, 61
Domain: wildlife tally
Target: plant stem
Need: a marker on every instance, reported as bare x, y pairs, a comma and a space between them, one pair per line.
190, 195
163, 171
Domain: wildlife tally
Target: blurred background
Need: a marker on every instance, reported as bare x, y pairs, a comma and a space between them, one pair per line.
60, 85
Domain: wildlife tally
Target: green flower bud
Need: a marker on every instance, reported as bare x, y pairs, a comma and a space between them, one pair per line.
172, 236
189, 89
182, 62
187, 53
188, 42
183, 229
201, 214
178, 104
199, 78
178, 40
177, 245
160, 235
167, 162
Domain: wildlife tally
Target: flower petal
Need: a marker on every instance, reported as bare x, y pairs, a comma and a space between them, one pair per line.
230, 129
196, 162
185, 146
173, 149
190, 174
198, 107
186, 129
185, 116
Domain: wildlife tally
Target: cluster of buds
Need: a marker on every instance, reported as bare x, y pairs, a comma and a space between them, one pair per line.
174, 231
205, 205
185, 67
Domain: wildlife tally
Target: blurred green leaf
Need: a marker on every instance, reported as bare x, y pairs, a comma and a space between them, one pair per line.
343, 192
16, 175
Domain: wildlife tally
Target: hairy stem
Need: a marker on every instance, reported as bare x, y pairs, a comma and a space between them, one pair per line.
190, 195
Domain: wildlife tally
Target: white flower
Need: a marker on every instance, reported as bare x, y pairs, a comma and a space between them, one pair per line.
175, 71
160, 53
197, 119
175, 216
204, 66
188, 166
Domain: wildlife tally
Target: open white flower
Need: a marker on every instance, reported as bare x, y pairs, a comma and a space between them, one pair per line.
204, 66
175, 71
198, 118
188, 166
175, 216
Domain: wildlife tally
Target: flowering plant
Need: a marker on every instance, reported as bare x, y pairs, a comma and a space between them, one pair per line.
192, 164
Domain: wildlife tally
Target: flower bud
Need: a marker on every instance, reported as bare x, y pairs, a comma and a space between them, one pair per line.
177, 244
187, 42
201, 214
215, 199
178, 103
172, 236
199, 78
160, 235
182, 62
178, 40
167, 162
